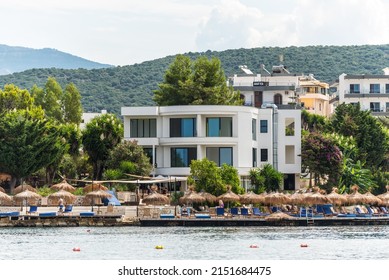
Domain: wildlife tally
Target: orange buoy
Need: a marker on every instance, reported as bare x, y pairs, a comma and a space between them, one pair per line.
76, 249
303, 245
253, 246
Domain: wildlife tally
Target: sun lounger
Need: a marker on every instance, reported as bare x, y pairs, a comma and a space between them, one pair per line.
346, 215
68, 208
234, 211
48, 214
244, 211
202, 216
87, 214
166, 216
258, 212
219, 211
33, 209
360, 213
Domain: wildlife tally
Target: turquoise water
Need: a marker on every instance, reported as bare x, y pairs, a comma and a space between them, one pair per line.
124, 243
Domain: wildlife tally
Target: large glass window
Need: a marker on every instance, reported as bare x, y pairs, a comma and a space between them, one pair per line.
264, 155
374, 88
254, 129
219, 127
289, 127
220, 155
182, 157
149, 153
374, 106
354, 88
182, 127
140, 128
386, 88
263, 128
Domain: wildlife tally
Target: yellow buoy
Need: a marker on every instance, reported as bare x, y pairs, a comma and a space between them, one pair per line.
159, 247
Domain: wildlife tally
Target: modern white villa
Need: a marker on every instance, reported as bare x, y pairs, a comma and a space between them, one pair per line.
242, 136
371, 91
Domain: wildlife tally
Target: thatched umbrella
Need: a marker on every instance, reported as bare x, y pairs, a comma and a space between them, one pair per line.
192, 197
228, 197
97, 195
372, 199
316, 198
4, 198
27, 196
64, 185
385, 196
252, 197
296, 198
24, 187
208, 197
2, 190
277, 216
277, 198
68, 197
156, 199
336, 198
95, 187
356, 197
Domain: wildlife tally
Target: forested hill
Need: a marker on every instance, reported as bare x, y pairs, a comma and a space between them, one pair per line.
112, 88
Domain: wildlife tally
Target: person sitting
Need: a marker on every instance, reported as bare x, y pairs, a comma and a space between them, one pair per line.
60, 204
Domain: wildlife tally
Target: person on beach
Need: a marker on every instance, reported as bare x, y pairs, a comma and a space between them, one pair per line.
60, 204
221, 204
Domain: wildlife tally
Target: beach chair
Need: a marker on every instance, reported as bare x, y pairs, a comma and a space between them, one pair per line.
234, 211
68, 208
373, 212
360, 213
33, 209
244, 211
219, 211
258, 212
384, 211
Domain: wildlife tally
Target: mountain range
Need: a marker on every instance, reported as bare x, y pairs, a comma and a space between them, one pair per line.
17, 59
111, 88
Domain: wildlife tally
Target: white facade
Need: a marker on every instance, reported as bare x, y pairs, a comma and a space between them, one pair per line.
173, 135
371, 91
87, 117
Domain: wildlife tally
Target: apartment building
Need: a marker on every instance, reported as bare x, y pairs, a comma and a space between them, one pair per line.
370, 91
242, 136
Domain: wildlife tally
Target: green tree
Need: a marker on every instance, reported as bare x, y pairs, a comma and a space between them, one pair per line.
72, 104
266, 179
14, 98
172, 90
206, 176
52, 102
27, 143
321, 157
354, 173
230, 176
370, 137
101, 135
128, 152
201, 82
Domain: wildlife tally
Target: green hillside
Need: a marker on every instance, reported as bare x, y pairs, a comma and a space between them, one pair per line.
112, 88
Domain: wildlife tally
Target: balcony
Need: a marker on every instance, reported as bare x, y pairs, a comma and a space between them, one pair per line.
363, 94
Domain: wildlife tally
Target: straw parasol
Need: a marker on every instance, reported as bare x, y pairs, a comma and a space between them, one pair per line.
2, 190
229, 196
356, 197
372, 199
64, 185
27, 196
385, 196
156, 199
4, 198
95, 187
65, 195
208, 197
316, 198
251, 197
277, 216
24, 187
335, 198
192, 197
277, 198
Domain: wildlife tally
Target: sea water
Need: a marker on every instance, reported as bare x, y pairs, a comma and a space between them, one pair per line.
194, 243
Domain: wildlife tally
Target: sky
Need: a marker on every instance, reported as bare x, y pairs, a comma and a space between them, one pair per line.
124, 32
